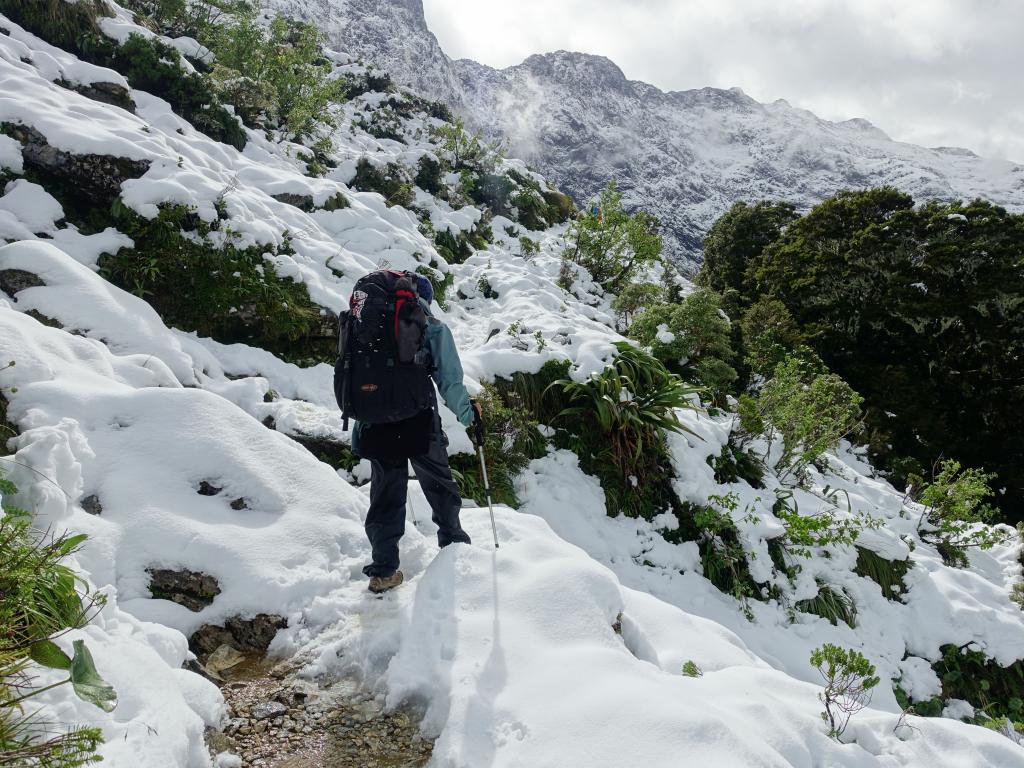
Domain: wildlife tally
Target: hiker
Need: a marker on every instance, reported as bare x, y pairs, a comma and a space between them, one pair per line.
392, 351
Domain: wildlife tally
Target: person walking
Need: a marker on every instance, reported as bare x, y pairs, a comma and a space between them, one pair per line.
392, 353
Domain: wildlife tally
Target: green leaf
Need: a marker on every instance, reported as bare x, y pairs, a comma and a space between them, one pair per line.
87, 682
47, 653
71, 543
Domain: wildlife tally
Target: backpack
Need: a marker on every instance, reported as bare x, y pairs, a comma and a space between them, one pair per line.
382, 374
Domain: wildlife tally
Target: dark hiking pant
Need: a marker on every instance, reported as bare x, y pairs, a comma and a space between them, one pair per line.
385, 521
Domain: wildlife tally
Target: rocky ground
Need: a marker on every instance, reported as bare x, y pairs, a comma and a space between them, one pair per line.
277, 720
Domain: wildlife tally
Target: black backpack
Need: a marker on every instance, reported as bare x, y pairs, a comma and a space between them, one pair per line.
383, 370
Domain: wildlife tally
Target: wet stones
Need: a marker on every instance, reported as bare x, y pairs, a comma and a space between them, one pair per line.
193, 589
248, 635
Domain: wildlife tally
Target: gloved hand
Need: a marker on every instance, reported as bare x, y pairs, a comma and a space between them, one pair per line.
478, 421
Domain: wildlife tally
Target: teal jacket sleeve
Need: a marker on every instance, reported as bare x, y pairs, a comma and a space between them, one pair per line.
448, 371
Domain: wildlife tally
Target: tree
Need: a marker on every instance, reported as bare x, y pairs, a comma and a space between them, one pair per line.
808, 407
612, 245
633, 299
736, 239
769, 333
920, 309
692, 338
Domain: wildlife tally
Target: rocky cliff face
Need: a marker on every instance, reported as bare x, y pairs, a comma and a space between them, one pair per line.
684, 156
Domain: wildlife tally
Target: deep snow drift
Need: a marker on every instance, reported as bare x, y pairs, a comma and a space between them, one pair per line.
512, 654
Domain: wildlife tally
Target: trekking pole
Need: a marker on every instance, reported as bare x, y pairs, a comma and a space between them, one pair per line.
479, 424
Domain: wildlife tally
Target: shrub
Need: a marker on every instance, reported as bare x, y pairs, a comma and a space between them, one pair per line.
831, 604
454, 249
148, 64
222, 291
612, 245
918, 308
734, 464
849, 678
821, 529
616, 421
690, 669
428, 175
634, 299
810, 409
463, 150
967, 673
698, 344
40, 598
511, 441
528, 248
723, 558
887, 574
955, 516
769, 333
281, 62
390, 182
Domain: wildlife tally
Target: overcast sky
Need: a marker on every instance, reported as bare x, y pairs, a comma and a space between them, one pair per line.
932, 72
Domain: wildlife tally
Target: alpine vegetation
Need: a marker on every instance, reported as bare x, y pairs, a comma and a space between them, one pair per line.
248, 281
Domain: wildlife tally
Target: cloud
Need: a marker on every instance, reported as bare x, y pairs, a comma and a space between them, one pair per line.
932, 72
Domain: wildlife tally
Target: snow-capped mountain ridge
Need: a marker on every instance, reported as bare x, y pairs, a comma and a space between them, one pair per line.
684, 156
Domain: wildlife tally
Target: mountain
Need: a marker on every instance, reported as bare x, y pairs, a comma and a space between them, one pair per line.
684, 156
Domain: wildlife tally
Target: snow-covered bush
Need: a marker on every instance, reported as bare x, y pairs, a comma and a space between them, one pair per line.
692, 338
612, 245
211, 287
810, 409
849, 678
618, 418
956, 516
286, 57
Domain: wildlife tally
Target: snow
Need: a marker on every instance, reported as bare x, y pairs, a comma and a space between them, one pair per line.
512, 654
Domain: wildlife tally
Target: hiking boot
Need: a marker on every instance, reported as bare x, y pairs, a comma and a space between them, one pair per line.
380, 584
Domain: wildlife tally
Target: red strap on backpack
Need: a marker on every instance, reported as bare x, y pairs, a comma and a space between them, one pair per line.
403, 296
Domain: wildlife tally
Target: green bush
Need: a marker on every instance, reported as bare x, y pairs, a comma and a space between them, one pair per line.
919, 309
967, 673
460, 149
615, 422
722, 555
831, 604
390, 182
887, 574
454, 249
148, 64
511, 441
428, 176
769, 333
701, 349
231, 294
734, 464
690, 669
612, 245
735, 241
821, 529
285, 56
809, 408
634, 299
40, 598
955, 516
849, 678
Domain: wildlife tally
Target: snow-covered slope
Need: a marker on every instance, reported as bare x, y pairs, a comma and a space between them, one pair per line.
174, 451
684, 156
